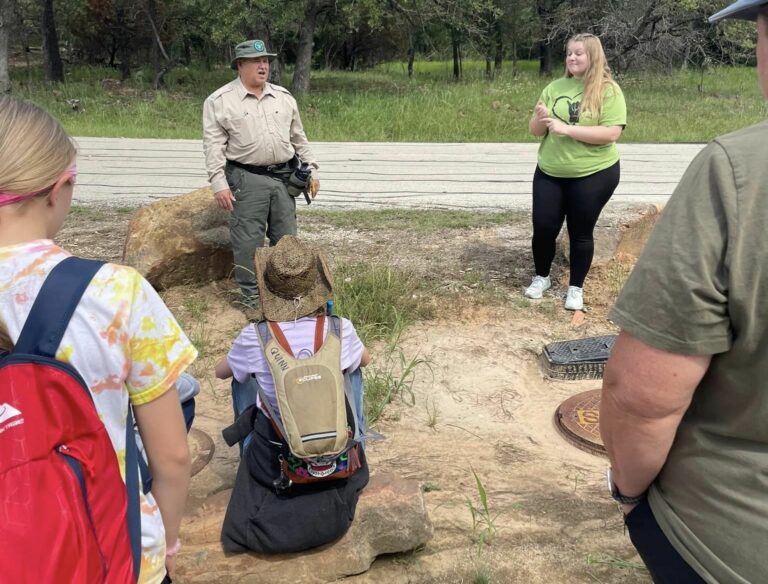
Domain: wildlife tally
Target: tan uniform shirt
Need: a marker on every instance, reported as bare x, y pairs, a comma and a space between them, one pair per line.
260, 131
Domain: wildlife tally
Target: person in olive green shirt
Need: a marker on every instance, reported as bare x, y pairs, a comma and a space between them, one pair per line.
580, 117
684, 412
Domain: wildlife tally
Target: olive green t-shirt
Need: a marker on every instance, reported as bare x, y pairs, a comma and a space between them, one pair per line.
564, 157
701, 288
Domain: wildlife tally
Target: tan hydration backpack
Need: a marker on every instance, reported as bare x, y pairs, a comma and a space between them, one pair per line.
314, 417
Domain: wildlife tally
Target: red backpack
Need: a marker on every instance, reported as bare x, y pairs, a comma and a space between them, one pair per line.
66, 516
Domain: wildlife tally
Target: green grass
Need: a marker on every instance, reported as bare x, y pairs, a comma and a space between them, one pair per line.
379, 299
193, 315
418, 220
390, 376
381, 302
483, 521
382, 104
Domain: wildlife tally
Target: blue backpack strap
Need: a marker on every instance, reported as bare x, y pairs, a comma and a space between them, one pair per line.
334, 326
132, 490
54, 306
262, 329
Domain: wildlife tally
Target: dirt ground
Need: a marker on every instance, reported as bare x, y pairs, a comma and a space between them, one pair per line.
482, 404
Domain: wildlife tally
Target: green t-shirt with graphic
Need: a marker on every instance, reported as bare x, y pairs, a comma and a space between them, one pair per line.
564, 157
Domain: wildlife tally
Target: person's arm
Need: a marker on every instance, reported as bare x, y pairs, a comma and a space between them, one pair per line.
222, 370
366, 358
646, 392
215, 140
596, 135
164, 435
303, 150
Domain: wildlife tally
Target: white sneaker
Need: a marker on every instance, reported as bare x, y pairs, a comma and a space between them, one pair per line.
538, 285
574, 299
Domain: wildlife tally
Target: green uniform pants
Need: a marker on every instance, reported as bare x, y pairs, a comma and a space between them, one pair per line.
262, 206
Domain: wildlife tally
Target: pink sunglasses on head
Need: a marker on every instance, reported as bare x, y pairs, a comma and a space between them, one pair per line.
11, 198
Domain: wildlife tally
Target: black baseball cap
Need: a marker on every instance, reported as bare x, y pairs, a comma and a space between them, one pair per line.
742, 9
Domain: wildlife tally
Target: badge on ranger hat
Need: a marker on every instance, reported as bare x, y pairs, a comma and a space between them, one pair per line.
251, 50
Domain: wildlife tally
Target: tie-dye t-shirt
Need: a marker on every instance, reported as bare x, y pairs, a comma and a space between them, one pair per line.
124, 342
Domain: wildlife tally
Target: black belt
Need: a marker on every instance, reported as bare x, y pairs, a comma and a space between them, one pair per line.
261, 169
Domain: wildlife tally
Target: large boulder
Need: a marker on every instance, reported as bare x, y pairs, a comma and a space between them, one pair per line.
181, 240
391, 517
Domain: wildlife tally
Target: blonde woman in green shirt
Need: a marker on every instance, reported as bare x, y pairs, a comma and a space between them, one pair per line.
580, 116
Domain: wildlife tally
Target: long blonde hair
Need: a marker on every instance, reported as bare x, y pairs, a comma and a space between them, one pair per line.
598, 74
34, 148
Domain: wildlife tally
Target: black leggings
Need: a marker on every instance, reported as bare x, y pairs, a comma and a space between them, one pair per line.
579, 202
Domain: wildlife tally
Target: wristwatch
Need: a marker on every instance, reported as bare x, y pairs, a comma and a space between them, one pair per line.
617, 496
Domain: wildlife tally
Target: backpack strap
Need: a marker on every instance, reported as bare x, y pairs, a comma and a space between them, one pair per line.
41, 335
334, 326
277, 332
54, 306
319, 332
132, 491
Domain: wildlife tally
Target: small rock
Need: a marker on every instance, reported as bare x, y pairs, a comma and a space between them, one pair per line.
578, 318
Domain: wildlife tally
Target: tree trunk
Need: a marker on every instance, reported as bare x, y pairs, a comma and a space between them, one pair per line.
5, 31
456, 56
514, 60
300, 83
160, 68
498, 56
54, 69
545, 58
411, 57
488, 70
155, 51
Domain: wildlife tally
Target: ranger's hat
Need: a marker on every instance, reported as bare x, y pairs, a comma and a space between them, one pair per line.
251, 50
742, 9
293, 279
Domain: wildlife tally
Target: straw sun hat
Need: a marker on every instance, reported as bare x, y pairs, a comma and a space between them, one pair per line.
293, 279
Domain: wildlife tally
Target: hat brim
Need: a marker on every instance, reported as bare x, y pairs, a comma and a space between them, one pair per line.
742, 10
281, 309
270, 56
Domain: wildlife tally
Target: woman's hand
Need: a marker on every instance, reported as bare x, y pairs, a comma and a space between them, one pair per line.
540, 112
555, 126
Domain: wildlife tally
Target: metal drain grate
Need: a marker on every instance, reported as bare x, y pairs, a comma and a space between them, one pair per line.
578, 358
578, 421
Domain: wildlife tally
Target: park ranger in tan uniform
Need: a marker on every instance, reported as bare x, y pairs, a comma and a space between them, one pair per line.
252, 133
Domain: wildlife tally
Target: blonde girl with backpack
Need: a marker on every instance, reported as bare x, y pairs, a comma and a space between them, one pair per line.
121, 339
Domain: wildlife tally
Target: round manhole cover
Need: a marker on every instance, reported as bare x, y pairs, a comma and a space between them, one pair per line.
578, 420
201, 449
